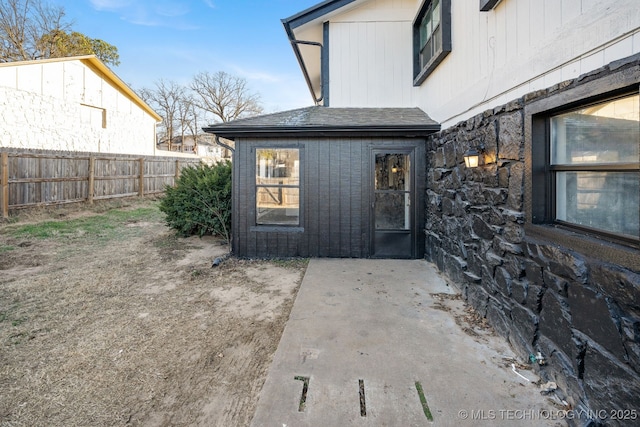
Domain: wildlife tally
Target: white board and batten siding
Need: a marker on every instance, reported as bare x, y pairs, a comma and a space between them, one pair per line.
71, 105
497, 56
370, 55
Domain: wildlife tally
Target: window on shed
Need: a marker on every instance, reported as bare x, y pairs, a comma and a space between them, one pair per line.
431, 37
594, 168
278, 186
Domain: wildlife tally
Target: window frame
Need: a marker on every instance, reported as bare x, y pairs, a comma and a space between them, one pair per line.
277, 227
555, 168
421, 73
540, 196
487, 5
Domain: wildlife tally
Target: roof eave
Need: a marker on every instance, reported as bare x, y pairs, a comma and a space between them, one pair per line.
308, 15
99, 67
103, 69
324, 131
296, 51
315, 12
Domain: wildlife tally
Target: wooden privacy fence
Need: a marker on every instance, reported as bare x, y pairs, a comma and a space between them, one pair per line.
29, 179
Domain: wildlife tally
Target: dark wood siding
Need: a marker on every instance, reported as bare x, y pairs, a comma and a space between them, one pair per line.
335, 198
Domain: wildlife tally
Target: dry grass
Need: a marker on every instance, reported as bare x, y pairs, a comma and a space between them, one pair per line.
131, 326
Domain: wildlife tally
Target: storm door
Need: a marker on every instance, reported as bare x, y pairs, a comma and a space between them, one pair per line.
393, 222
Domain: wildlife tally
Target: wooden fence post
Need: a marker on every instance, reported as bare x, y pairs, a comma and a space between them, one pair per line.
177, 172
92, 170
141, 179
4, 181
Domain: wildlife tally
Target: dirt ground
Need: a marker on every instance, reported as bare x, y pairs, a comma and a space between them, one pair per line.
132, 326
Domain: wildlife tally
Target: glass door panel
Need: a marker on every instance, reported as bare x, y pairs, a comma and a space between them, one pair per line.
392, 205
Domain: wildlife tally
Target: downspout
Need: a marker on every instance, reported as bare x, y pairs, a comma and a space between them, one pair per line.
223, 145
296, 50
304, 68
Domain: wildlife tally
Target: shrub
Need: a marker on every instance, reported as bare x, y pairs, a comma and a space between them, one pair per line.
200, 201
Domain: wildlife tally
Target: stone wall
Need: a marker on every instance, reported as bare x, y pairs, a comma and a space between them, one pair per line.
578, 310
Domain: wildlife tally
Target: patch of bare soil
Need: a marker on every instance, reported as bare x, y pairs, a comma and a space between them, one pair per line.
136, 330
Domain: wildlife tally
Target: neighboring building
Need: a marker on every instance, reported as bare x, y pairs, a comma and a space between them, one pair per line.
543, 237
72, 104
204, 146
210, 152
187, 144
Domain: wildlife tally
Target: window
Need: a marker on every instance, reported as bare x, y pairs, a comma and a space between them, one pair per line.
594, 167
431, 37
278, 186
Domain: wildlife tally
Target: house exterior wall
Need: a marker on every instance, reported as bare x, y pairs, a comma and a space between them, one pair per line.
518, 47
370, 55
68, 106
551, 289
335, 194
522, 46
574, 299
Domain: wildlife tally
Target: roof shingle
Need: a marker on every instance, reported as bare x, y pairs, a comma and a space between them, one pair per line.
331, 121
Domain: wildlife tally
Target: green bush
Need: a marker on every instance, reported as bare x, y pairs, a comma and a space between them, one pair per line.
200, 201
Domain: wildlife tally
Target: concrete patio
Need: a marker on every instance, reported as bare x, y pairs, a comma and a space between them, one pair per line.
384, 343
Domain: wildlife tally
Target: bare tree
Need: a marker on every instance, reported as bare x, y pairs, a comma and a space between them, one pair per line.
225, 96
22, 25
194, 119
33, 29
186, 117
166, 98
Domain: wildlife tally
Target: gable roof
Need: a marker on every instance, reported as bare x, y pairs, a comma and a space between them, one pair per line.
326, 121
98, 67
306, 48
314, 12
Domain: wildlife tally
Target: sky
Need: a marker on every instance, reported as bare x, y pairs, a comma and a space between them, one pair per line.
174, 40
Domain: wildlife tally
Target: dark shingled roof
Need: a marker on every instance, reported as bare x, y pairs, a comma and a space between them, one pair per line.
329, 121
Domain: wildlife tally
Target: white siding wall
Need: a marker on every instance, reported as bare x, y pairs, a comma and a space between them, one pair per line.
368, 51
497, 56
67, 106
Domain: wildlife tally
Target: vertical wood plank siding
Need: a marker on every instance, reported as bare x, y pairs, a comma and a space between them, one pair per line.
333, 193
335, 197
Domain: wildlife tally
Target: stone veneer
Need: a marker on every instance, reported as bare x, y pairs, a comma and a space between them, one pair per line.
579, 310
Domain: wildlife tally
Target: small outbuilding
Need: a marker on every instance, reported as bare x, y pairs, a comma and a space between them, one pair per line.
329, 182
